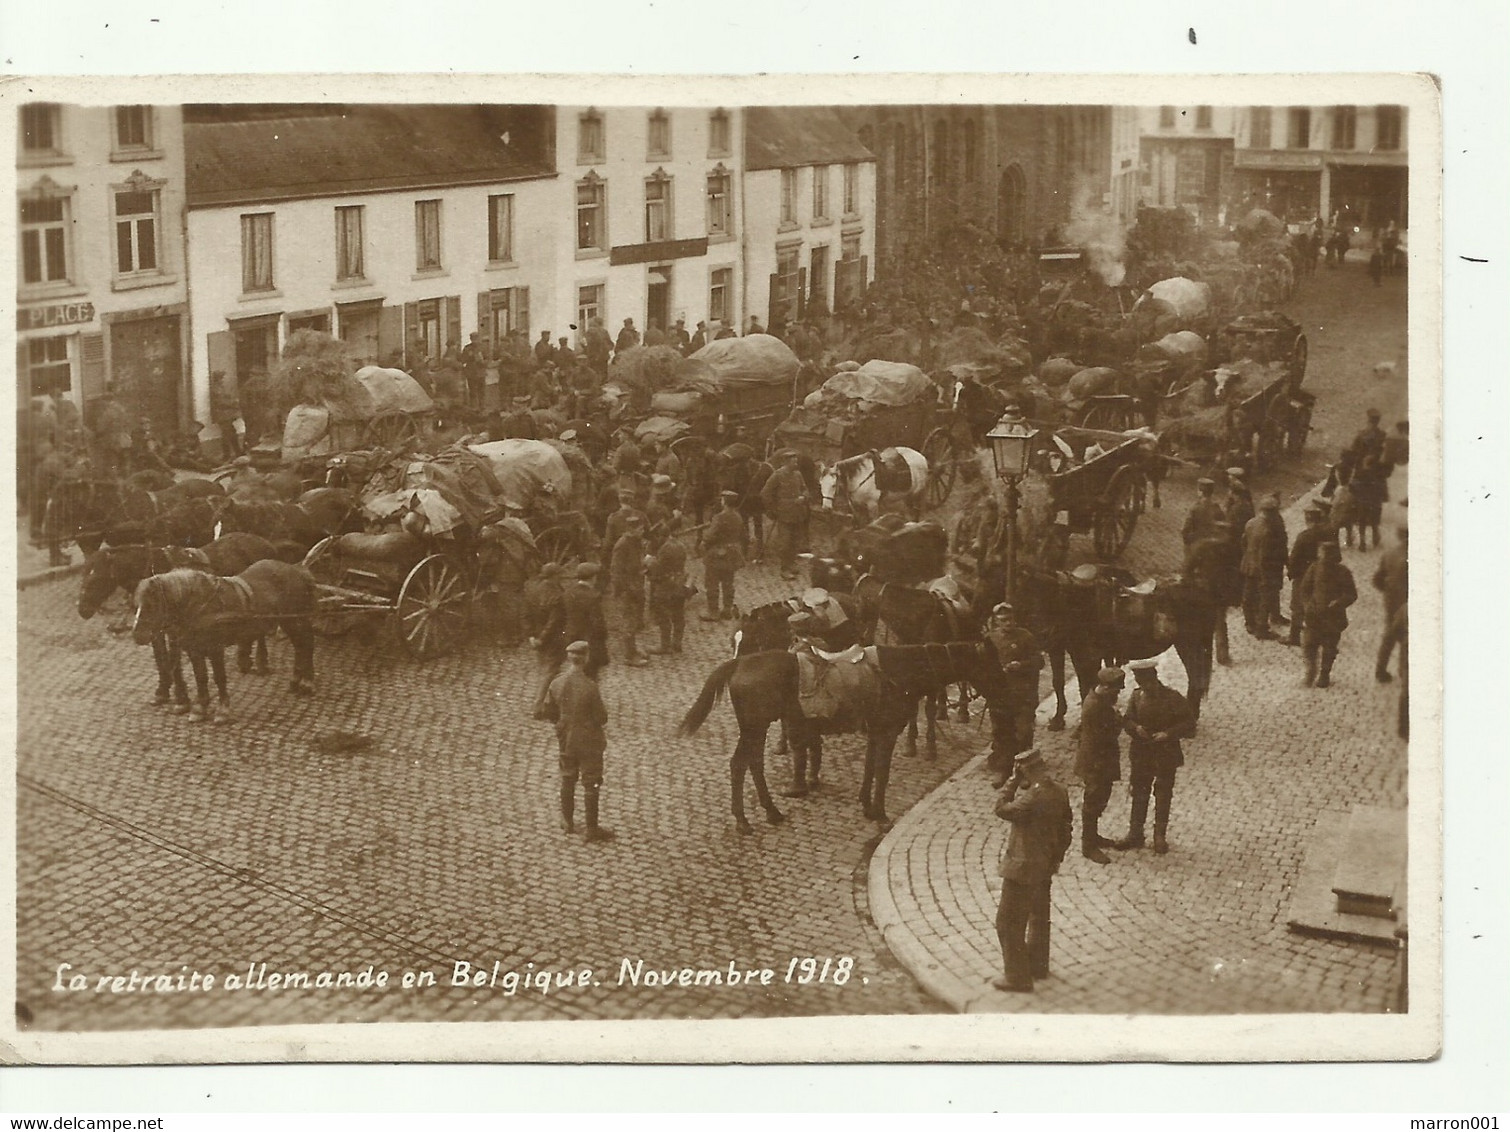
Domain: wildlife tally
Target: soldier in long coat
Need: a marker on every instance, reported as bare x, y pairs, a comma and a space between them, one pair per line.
1204, 513
1212, 565
784, 500
1042, 828
1392, 579
1302, 554
1265, 549
1098, 759
1021, 658
1325, 593
1157, 718
626, 590
578, 617
618, 523
722, 550
575, 704
667, 572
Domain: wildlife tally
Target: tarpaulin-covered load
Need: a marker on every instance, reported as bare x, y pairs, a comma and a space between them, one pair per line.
370, 392
662, 430
1261, 224
755, 359
653, 369
914, 555
1185, 349
1090, 382
464, 478
440, 514
525, 467
1185, 298
883, 383
1056, 371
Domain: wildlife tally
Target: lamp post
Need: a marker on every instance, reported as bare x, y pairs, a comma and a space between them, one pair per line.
1011, 443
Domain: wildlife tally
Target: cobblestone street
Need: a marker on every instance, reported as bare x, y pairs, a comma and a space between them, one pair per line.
151, 844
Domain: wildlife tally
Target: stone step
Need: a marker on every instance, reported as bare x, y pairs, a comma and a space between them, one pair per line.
1313, 909
1371, 864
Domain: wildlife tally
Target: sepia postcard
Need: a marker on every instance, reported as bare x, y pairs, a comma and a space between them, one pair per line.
725, 570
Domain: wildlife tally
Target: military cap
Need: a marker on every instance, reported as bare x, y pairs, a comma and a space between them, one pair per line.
785, 454
729, 494
569, 435
587, 570
815, 596
1111, 676
661, 482
1235, 473
1269, 502
1147, 664
1027, 760
634, 519
801, 621
577, 648
1205, 481
551, 570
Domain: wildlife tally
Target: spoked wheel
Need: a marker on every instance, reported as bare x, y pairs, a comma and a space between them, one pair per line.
1117, 512
393, 431
1299, 355
1111, 416
941, 451
556, 544
328, 620
433, 606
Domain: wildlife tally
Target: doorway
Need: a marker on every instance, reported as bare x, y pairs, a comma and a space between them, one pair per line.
147, 366
658, 298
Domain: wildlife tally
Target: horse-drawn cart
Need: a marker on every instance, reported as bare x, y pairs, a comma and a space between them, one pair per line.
871, 407
1099, 480
374, 408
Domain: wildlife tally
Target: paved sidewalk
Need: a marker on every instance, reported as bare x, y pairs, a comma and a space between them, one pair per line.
1203, 929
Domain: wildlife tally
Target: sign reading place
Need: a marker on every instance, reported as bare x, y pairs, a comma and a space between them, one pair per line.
57, 314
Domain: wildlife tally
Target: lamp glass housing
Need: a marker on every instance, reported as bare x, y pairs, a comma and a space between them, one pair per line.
1011, 447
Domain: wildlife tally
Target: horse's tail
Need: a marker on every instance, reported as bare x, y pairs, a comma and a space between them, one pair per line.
717, 683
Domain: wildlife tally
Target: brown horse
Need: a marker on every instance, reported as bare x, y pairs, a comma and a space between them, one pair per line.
763, 689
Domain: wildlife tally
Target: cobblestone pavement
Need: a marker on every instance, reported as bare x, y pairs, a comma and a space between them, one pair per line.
147, 843
1203, 929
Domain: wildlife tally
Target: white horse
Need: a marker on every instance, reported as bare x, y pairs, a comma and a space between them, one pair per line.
857, 475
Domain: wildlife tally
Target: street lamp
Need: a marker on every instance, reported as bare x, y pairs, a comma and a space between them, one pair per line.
1011, 443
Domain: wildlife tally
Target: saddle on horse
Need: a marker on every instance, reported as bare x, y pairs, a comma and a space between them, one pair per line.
893, 473
1120, 599
834, 691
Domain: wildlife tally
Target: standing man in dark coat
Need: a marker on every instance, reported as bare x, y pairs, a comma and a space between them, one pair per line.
1239, 504
1265, 549
1392, 579
1325, 593
628, 337
784, 499
544, 352
667, 570
1212, 565
574, 703
545, 618
1021, 659
1157, 718
1204, 514
598, 344
626, 589
699, 339
1302, 554
680, 339
1042, 828
474, 368
723, 554
1098, 759
579, 617
618, 523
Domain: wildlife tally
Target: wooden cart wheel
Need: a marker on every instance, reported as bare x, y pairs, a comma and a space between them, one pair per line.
329, 620
942, 453
432, 607
1117, 512
557, 544
1111, 416
393, 431
1300, 426
1300, 353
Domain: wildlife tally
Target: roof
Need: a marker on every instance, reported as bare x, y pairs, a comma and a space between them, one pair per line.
780, 137
237, 156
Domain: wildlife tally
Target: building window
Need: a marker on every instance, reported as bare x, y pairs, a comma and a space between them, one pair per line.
788, 279
720, 209
1300, 127
658, 145
508, 311
1258, 128
257, 252
972, 153
849, 247
349, 259
820, 192
501, 228
1344, 127
592, 232
48, 365
41, 128
817, 277
1166, 117
133, 127
44, 240
589, 305
789, 196
427, 235
721, 295
657, 207
941, 150
719, 144
135, 232
592, 146
851, 190
1203, 117
1390, 121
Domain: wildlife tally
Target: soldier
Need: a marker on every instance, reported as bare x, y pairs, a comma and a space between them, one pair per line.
784, 498
1325, 593
1021, 659
667, 569
1302, 554
575, 704
474, 368
1265, 548
668, 464
722, 556
661, 515
520, 423
1370, 439
618, 522
1212, 564
1098, 759
598, 345
628, 337
1042, 827
833, 625
626, 587
1392, 579
1203, 514
1157, 718
627, 460
680, 339
577, 617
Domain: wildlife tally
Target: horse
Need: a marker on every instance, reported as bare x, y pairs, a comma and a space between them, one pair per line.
321, 512
226, 557
866, 477
904, 615
763, 689
114, 568
203, 614
94, 512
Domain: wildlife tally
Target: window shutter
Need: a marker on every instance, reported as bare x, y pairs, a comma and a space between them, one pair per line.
521, 317
773, 304
484, 322
390, 333
453, 323
411, 329
864, 276
91, 365
801, 292
220, 351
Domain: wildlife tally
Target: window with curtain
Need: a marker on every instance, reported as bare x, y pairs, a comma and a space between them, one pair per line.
257, 252
349, 259
427, 235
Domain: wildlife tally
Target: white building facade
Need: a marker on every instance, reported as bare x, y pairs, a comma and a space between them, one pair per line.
101, 280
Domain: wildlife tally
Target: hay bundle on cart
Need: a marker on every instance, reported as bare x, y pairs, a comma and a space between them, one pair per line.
374, 407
